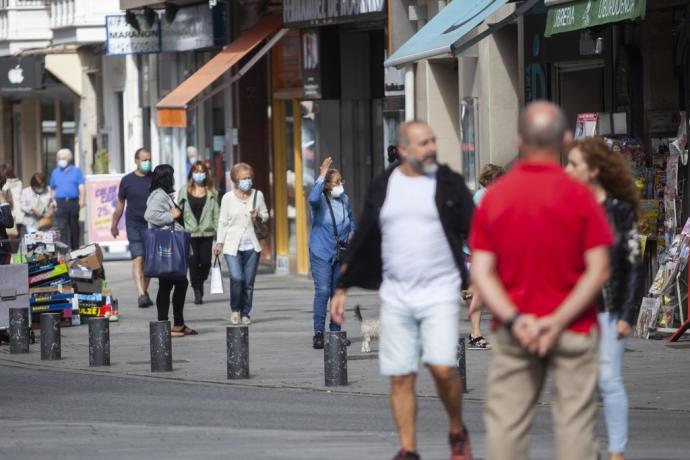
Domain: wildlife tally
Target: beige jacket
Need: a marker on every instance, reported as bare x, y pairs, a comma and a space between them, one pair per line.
235, 219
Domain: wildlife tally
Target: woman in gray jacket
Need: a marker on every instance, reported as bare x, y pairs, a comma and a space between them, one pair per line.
162, 212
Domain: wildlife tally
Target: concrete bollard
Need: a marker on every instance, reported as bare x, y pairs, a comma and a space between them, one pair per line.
50, 337
462, 369
161, 346
335, 358
20, 330
99, 342
238, 352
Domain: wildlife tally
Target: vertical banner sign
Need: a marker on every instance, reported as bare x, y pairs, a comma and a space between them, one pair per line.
311, 64
101, 200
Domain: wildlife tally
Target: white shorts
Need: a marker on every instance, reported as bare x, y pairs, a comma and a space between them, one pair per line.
408, 333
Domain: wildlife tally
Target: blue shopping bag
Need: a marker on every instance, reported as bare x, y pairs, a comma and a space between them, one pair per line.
166, 253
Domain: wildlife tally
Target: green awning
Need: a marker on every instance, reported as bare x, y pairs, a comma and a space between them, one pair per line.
582, 14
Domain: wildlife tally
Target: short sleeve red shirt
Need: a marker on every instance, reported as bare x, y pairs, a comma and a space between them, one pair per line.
539, 223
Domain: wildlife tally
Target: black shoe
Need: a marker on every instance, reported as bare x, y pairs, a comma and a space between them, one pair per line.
149, 302
143, 302
198, 296
318, 340
406, 455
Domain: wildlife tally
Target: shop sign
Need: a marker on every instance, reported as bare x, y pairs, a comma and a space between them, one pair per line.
582, 14
122, 38
19, 74
101, 201
311, 64
192, 29
320, 12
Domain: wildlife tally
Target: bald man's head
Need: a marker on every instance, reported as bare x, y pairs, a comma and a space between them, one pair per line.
543, 127
417, 146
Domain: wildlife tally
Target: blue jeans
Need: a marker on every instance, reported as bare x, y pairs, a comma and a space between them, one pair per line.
611, 387
242, 268
326, 276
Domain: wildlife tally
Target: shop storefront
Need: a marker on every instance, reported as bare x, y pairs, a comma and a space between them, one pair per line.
328, 100
620, 70
40, 114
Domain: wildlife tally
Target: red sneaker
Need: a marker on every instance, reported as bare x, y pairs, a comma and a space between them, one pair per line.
406, 455
460, 446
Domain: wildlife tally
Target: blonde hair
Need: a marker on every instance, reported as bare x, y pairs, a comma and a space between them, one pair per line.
235, 171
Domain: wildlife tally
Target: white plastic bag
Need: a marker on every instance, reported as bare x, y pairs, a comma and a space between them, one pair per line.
216, 278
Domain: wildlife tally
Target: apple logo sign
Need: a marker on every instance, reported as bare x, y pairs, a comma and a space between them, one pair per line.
16, 75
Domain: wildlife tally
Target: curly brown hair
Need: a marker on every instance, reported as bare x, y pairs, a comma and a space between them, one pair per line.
615, 174
489, 174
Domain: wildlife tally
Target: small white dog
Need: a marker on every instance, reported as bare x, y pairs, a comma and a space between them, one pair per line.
369, 329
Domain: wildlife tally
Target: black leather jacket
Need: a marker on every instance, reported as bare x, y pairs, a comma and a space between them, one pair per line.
363, 264
620, 293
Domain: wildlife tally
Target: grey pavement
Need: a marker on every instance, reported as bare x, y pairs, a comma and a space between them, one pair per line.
288, 401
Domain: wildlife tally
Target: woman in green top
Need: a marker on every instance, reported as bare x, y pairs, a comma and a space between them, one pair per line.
199, 203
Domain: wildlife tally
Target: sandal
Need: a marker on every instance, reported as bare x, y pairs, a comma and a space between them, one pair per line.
177, 333
188, 331
478, 343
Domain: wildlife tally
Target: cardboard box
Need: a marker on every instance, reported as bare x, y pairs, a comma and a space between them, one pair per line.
88, 287
50, 290
14, 290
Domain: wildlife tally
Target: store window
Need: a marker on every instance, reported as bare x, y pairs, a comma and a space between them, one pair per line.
58, 130
468, 139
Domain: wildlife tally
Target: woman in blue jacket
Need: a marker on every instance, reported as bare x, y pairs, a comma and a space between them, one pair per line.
331, 230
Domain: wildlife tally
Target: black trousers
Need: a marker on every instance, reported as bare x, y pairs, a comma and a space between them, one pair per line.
165, 287
67, 222
200, 261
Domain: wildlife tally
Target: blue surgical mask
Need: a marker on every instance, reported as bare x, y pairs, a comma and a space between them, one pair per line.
62, 163
199, 178
246, 185
145, 166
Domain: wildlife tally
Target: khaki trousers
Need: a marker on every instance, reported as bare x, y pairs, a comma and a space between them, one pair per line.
516, 379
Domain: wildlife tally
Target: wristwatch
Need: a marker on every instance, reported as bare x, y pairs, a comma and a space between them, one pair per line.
508, 324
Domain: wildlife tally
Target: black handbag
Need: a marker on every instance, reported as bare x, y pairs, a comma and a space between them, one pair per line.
340, 246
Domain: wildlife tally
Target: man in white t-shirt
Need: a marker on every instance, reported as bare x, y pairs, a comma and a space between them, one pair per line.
409, 246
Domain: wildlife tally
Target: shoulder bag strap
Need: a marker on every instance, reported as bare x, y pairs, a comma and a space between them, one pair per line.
335, 226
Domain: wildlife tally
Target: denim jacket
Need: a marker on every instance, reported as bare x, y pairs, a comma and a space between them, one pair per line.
322, 242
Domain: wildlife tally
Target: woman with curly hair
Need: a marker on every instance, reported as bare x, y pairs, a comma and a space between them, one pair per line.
610, 178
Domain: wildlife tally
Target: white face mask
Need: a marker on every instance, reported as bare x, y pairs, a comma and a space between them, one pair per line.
337, 191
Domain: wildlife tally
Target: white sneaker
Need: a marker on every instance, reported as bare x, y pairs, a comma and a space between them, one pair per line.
246, 321
235, 318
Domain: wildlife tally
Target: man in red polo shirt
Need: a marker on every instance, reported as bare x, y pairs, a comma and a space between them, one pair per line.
539, 258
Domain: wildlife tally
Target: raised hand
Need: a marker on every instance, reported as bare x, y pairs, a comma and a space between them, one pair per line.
325, 166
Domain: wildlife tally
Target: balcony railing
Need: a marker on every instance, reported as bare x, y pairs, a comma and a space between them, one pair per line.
62, 13
19, 4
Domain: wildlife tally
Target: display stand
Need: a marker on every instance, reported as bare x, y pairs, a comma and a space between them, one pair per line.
686, 324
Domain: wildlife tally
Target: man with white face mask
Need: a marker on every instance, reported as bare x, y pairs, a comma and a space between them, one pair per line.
67, 183
331, 230
410, 246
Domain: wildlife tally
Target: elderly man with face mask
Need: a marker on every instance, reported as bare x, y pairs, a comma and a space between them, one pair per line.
409, 245
67, 183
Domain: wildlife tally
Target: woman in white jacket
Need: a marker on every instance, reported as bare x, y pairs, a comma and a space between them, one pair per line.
237, 240
37, 204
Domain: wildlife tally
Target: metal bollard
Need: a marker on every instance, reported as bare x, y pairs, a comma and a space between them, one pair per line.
99, 342
20, 330
161, 346
50, 337
462, 369
238, 352
335, 358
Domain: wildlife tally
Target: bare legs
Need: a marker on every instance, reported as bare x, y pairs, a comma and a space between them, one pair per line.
138, 272
404, 402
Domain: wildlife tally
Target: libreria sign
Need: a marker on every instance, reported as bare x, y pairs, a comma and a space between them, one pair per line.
589, 13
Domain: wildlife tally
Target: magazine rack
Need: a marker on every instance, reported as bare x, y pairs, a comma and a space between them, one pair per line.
685, 321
